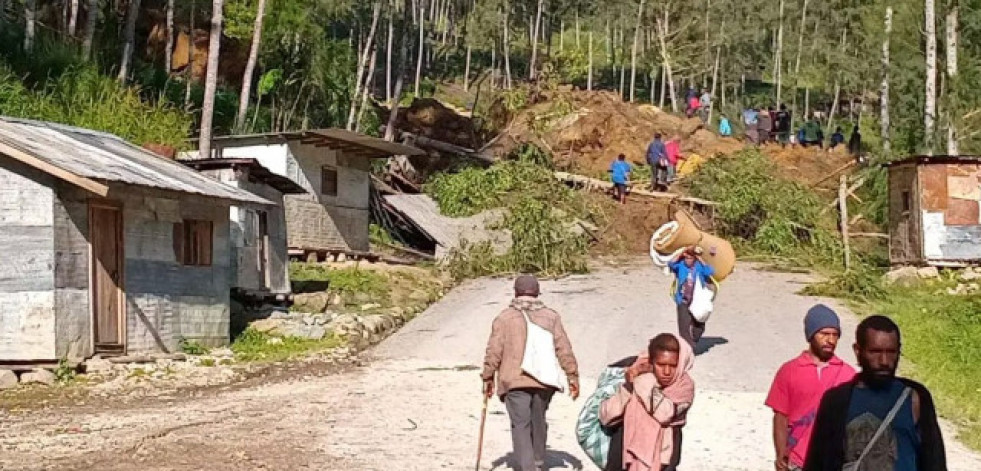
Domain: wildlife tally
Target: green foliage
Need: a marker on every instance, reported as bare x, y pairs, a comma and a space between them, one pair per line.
254, 346
192, 347
862, 283
768, 213
65, 372
540, 212
342, 280
207, 362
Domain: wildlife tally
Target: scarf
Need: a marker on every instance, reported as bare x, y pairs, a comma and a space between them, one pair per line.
653, 410
527, 304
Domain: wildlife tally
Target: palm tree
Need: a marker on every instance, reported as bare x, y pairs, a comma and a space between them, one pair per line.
243, 99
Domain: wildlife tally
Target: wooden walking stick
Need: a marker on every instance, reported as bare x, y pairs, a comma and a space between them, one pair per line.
480, 436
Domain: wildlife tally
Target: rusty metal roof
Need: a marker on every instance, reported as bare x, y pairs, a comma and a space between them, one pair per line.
101, 156
936, 159
349, 142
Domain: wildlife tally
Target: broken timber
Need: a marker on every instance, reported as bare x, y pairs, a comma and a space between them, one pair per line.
589, 183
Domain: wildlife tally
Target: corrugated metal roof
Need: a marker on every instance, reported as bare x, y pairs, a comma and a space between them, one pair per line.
936, 159
103, 156
446, 231
343, 140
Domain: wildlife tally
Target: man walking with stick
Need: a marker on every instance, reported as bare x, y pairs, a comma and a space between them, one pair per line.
525, 397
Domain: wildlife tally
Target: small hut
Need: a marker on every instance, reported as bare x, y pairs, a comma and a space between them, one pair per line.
934, 214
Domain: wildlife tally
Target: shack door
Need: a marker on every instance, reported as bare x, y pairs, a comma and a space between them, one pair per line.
108, 303
263, 234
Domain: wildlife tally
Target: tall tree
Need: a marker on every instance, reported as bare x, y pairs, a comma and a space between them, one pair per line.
507, 46
129, 39
930, 101
30, 23
422, 44
534, 39
388, 51
243, 97
91, 19
362, 64
211, 79
72, 18
633, 50
393, 115
884, 130
951, 42
169, 49
778, 72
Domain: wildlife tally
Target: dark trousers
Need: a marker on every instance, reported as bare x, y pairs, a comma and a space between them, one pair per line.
690, 329
526, 408
615, 457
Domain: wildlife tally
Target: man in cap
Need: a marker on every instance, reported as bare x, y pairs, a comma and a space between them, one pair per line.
525, 398
799, 384
688, 269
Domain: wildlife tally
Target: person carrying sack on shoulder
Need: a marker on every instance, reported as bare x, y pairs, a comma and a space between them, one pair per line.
526, 397
689, 271
652, 406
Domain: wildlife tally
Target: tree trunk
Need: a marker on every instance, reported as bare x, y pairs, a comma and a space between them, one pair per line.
367, 87
30, 23
91, 18
561, 36
662, 33
800, 48
633, 51
589, 73
534, 40
834, 108
129, 40
507, 48
577, 30
211, 80
884, 89
369, 48
779, 62
169, 47
243, 98
72, 18
466, 27
403, 67
190, 63
930, 101
664, 87
951, 30
807, 103
422, 45
388, 53
715, 81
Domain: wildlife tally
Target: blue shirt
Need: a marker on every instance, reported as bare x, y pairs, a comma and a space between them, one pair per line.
619, 169
725, 129
656, 151
896, 449
681, 271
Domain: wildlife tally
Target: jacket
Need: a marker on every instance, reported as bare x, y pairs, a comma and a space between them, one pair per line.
680, 270
827, 449
506, 347
655, 152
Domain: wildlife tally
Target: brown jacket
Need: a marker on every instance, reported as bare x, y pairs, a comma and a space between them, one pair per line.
506, 346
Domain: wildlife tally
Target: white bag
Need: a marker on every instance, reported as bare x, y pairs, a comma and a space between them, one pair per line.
701, 301
540, 361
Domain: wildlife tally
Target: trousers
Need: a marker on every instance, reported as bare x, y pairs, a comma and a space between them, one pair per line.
526, 409
690, 329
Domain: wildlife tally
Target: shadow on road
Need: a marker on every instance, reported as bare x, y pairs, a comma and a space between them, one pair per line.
553, 459
706, 343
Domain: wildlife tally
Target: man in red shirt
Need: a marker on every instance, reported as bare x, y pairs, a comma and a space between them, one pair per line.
799, 385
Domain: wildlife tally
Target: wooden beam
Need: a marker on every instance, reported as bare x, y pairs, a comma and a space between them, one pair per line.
836, 171
876, 235
53, 170
843, 207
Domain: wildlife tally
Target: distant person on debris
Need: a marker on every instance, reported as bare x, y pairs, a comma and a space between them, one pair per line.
855, 144
813, 136
725, 129
691, 93
694, 105
673, 149
687, 268
764, 126
782, 125
652, 406
657, 158
837, 138
525, 398
620, 175
877, 421
705, 103
750, 118
799, 384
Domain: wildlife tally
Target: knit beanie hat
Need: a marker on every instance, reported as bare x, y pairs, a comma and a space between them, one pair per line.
526, 284
820, 317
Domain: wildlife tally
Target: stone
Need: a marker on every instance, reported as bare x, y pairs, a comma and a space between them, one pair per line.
267, 325
312, 332
928, 272
970, 275
370, 306
39, 376
97, 365
222, 352
311, 302
336, 300
902, 276
359, 298
419, 295
8, 379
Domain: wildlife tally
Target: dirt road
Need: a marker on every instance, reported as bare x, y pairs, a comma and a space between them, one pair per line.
414, 406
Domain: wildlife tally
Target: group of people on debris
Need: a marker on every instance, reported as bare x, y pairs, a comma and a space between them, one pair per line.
826, 417
662, 156
696, 104
763, 126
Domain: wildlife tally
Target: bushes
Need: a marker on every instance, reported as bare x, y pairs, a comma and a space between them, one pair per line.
769, 214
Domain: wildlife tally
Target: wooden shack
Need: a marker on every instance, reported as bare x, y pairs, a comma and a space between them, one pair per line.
259, 257
934, 216
333, 167
109, 249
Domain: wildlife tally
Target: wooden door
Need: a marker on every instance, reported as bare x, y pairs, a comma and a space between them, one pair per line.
263, 234
108, 303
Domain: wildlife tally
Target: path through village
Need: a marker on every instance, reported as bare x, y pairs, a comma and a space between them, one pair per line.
414, 403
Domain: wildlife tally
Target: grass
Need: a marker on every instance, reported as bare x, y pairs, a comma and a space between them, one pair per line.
255, 346
346, 281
